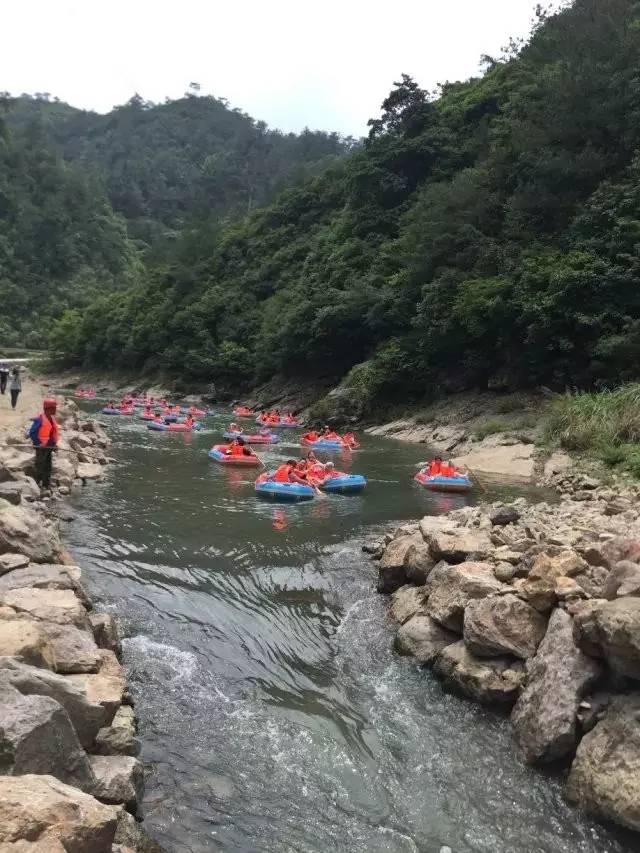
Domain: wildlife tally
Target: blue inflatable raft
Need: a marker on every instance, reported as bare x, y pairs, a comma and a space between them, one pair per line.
284, 491
348, 484
109, 411
323, 444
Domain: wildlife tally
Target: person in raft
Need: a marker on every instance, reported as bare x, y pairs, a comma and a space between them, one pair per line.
312, 435
233, 427
289, 473
45, 434
349, 440
237, 447
189, 421
329, 434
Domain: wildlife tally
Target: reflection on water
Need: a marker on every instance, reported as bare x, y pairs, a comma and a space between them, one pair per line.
273, 711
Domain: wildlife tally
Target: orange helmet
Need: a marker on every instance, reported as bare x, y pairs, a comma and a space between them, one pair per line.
49, 405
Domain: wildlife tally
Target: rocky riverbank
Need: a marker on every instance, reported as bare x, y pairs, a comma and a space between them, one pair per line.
70, 776
535, 609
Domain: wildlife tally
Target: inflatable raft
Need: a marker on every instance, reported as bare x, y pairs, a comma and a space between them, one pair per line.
346, 484
243, 412
267, 488
460, 483
109, 411
324, 444
154, 425
217, 453
271, 438
283, 424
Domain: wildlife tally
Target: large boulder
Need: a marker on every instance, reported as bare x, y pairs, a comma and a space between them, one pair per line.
74, 650
539, 589
23, 530
558, 677
623, 579
43, 809
119, 779
458, 547
46, 576
611, 629
495, 681
406, 602
63, 470
49, 605
451, 588
391, 568
25, 639
36, 736
120, 737
436, 524
105, 631
106, 687
503, 625
86, 715
422, 638
9, 562
605, 775
504, 515
418, 563
89, 471
132, 838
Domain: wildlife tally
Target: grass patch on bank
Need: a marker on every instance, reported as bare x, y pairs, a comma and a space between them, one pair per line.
605, 424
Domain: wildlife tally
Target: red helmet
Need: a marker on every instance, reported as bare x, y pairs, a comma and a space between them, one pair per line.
49, 405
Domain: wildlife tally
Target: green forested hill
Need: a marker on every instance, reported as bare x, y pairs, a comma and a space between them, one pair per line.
165, 165
489, 237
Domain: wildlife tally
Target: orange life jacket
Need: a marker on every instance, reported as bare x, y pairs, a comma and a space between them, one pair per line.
282, 474
48, 433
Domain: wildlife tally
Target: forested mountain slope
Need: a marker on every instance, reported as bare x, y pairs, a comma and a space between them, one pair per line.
486, 238
165, 165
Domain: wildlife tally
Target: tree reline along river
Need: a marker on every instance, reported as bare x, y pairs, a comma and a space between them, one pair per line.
274, 714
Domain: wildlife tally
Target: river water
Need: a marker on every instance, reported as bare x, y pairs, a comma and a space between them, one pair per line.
273, 712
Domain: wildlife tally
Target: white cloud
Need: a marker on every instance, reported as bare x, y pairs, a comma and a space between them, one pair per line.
326, 65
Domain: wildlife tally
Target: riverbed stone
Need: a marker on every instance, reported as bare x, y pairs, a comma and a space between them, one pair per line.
23, 530
49, 605
503, 625
422, 638
605, 775
105, 631
120, 737
26, 639
119, 779
406, 602
43, 809
558, 677
623, 579
459, 547
86, 715
451, 588
491, 681
36, 736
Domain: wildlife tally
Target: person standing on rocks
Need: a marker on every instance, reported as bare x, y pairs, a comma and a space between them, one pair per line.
15, 386
4, 375
45, 434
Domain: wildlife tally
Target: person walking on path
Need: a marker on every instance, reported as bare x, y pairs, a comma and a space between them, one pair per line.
4, 375
45, 434
15, 386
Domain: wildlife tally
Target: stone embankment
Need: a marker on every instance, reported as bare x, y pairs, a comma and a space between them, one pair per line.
70, 778
535, 609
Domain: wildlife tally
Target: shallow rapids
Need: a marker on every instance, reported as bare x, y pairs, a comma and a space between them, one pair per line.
273, 713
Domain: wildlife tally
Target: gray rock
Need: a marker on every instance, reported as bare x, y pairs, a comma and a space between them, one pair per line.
105, 631
406, 602
120, 737
119, 779
618, 549
74, 650
418, 563
49, 605
23, 530
624, 579
26, 639
558, 677
504, 572
396, 551
86, 716
495, 681
503, 625
105, 687
458, 547
505, 515
89, 471
9, 562
451, 588
36, 736
390, 579
45, 576
132, 836
11, 492
422, 638
611, 629
605, 775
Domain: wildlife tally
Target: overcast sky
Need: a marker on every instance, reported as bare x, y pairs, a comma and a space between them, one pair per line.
323, 64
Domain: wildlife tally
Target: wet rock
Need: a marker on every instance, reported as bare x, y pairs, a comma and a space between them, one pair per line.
624, 579
89, 471
406, 602
132, 837
390, 579
105, 631
120, 737
49, 605
605, 775
43, 809
503, 625
495, 681
9, 562
422, 638
418, 562
451, 588
458, 547
36, 736
86, 716
25, 638
23, 530
505, 515
558, 677
119, 779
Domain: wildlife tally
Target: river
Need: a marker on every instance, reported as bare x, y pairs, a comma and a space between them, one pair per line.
274, 715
